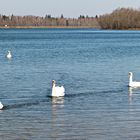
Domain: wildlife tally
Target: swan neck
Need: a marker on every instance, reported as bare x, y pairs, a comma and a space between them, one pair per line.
130, 79
53, 85
53, 89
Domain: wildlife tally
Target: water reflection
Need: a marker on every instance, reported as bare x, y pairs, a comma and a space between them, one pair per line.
57, 105
57, 119
57, 102
131, 92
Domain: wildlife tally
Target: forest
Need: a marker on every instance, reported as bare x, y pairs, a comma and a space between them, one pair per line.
48, 21
121, 18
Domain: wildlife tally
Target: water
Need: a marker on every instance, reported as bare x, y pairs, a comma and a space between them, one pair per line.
92, 64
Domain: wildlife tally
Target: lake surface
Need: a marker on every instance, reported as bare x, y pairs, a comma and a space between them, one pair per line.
92, 64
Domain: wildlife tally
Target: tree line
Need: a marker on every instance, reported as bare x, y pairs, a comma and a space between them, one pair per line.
48, 20
121, 18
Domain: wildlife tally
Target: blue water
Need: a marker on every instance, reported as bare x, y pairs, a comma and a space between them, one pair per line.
92, 64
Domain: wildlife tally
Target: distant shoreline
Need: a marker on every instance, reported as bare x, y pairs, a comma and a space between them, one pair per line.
33, 27
60, 27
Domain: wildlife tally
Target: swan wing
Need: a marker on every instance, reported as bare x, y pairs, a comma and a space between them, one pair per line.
1, 105
60, 91
134, 84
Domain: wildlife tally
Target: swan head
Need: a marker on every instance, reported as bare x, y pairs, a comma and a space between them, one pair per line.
130, 74
53, 82
9, 51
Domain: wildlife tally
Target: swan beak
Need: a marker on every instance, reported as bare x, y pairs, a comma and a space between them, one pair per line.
53, 82
129, 74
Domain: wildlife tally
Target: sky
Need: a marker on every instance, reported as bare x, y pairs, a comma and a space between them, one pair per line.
69, 8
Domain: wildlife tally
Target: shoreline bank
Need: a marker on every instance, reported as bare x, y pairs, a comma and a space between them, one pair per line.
49, 27
60, 27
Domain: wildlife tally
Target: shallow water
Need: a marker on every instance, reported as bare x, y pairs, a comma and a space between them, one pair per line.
92, 64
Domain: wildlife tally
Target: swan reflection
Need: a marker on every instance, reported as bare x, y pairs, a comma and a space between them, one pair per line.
57, 101
57, 116
131, 92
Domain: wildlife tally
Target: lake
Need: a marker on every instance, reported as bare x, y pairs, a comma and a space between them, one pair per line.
92, 64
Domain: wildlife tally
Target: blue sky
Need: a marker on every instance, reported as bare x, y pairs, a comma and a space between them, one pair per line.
69, 8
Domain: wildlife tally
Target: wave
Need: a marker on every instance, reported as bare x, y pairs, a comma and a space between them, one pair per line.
24, 104
91, 93
36, 101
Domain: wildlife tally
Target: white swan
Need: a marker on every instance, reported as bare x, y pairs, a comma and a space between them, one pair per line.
57, 91
1, 106
9, 55
131, 82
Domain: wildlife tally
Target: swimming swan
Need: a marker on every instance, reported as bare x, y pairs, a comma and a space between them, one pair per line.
131, 82
57, 91
1, 106
9, 55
